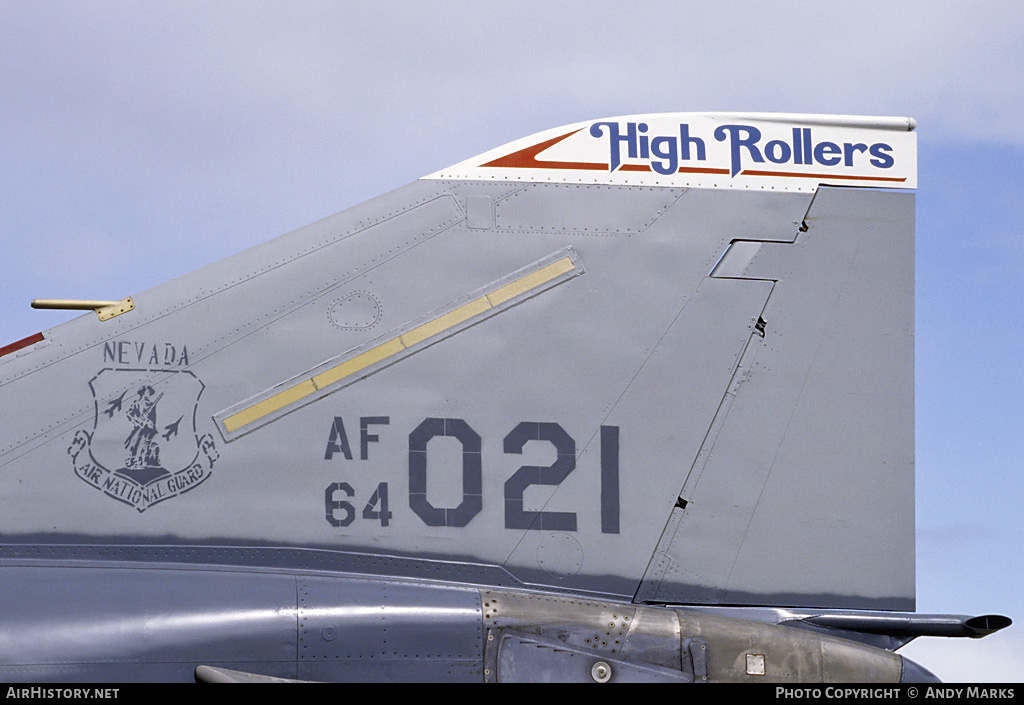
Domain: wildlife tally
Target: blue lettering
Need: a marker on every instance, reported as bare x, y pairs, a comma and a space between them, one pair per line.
850, 149
777, 152
615, 138
664, 148
684, 144
823, 152
882, 161
732, 133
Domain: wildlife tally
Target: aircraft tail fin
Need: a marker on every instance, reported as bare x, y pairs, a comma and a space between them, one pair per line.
663, 358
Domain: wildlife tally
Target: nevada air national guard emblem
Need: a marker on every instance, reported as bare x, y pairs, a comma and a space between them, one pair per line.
144, 447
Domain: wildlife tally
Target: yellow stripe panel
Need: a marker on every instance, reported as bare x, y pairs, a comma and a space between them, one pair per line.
396, 345
443, 323
269, 405
530, 281
359, 362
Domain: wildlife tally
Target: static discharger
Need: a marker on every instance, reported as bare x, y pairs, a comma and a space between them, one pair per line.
427, 332
105, 310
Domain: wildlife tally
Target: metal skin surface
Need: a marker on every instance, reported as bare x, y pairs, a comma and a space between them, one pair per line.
642, 341
503, 423
145, 623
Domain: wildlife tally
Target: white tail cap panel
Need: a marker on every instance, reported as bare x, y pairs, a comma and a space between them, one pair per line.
767, 151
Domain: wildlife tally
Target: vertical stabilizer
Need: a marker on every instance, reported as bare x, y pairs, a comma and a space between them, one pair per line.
664, 358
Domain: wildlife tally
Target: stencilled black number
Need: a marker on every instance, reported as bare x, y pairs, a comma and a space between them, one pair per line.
340, 512
515, 516
380, 496
332, 505
472, 477
609, 479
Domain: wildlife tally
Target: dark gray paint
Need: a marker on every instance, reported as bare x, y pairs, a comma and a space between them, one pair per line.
124, 624
351, 629
644, 341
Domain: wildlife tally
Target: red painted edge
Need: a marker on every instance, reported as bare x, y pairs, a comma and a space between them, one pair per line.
526, 158
757, 172
23, 343
680, 170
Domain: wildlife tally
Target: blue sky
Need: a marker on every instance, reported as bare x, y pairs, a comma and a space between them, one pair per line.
140, 140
